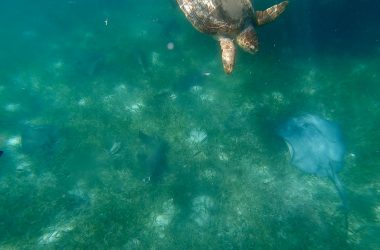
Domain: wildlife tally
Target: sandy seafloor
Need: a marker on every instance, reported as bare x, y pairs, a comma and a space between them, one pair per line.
88, 109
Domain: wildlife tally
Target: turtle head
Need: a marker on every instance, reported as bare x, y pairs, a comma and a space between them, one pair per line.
248, 41
228, 54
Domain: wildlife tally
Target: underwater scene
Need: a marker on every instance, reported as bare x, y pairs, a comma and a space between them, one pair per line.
154, 124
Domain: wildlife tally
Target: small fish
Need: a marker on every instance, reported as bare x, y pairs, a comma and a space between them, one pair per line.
1, 153
115, 150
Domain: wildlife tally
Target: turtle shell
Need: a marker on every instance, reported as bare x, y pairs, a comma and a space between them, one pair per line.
218, 17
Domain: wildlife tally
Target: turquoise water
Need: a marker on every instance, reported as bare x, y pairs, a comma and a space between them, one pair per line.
113, 141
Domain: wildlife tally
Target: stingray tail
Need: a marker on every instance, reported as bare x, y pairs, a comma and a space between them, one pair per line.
342, 194
339, 187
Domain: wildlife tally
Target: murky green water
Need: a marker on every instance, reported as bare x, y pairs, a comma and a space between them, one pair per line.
113, 141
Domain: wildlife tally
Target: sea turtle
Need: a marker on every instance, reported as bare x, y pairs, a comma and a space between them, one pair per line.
230, 20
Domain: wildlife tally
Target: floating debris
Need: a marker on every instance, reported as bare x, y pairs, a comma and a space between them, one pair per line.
170, 46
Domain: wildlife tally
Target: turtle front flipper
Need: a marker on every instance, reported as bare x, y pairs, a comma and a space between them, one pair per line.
270, 14
248, 40
228, 54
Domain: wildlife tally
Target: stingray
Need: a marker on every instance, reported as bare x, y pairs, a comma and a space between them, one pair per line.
153, 156
316, 147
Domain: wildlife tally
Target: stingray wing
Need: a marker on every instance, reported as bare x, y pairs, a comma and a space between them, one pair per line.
314, 143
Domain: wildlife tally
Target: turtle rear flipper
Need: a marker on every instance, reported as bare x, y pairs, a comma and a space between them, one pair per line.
270, 14
248, 40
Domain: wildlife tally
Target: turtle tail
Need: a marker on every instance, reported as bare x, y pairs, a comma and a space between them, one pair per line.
270, 14
228, 54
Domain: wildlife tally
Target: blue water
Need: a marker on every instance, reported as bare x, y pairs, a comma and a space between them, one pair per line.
113, 140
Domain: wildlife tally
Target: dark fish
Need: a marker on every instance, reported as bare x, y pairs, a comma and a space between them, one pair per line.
88, 63
169, 28
91, 63
96, 64
142, 60
173, 4
189, 80
38, 138
153, 156
1, 153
